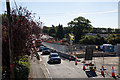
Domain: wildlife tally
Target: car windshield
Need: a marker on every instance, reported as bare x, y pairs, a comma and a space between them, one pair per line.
54, 55
41, 47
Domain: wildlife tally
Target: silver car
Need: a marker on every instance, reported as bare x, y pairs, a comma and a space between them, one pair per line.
54, 58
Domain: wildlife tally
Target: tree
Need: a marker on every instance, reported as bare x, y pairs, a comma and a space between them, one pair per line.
45, 30
80, 25
60, 33
22, 26
52, 32
93, 40
114, 39
67, 30
117, 31
109, 30
99, 40
67, 37
53, 26
87, 40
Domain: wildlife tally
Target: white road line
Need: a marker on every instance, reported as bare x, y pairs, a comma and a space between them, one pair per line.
40, 59
44, 64
47, 70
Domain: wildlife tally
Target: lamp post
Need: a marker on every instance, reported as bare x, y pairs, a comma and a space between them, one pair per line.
97, 52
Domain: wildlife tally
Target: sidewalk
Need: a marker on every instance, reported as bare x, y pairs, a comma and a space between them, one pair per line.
35, 69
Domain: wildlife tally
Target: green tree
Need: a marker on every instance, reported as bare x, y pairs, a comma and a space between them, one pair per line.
99, 40
109, 30
114, 39
87, 40
52, 32
67, 37
93, 40
80, 26
45, 30
60, 33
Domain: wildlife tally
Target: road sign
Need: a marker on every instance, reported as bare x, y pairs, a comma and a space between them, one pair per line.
89, 53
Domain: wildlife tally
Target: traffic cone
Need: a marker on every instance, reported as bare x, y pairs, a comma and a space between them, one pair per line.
113, 73
75, 61
83, 65
93, 69
102, 71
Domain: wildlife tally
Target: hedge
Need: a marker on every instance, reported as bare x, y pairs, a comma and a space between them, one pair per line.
22, 68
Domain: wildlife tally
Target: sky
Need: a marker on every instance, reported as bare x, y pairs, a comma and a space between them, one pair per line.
103, 13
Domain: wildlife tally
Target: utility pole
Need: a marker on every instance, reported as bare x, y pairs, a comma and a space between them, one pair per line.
12, 77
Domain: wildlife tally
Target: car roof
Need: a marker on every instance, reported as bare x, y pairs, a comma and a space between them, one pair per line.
53, 53
41, 46
46, 48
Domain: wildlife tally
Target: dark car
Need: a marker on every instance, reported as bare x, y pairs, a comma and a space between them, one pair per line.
46, 51
41, 48
71, 58
54, 58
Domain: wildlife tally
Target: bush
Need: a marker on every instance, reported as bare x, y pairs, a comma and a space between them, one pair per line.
22, 68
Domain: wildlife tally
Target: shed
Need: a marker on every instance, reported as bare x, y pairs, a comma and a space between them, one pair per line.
108, 48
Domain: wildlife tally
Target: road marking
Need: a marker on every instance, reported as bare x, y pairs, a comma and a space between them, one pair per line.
40, 59
47, 70
44, 64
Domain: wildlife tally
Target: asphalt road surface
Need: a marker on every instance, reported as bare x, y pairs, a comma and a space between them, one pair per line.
69, 70
64, 70
41, 69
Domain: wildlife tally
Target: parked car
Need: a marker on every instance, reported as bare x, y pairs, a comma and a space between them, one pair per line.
41, 48
71, 58
46, 51
54, 58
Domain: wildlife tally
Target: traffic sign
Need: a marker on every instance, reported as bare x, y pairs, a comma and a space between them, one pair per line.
89, 53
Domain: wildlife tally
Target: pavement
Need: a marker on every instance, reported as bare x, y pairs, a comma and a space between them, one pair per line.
36, 69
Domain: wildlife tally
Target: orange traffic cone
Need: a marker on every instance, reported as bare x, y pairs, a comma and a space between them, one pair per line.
93, 69
102, 71
113, 73
83, 65
75, 61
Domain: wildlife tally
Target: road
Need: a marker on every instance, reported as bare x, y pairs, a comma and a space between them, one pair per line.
41, 69
69, 70
64, 70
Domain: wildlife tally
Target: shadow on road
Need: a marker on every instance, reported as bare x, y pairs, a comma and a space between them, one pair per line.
45, 54
115, 77
52, 63
91, 74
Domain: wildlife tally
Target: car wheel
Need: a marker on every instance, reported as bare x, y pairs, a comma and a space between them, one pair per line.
48, 62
